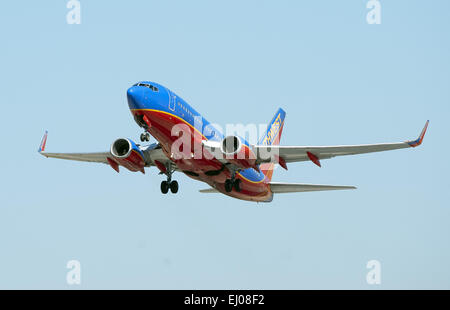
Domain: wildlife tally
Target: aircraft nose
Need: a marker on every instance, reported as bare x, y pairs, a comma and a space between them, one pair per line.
135, 97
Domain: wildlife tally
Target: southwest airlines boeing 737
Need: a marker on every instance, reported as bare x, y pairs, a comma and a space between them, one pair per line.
228, 164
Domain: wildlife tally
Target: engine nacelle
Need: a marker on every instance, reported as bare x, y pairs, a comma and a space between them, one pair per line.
238, 153
127, 154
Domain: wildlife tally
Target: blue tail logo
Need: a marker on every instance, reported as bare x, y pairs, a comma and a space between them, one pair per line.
274, 130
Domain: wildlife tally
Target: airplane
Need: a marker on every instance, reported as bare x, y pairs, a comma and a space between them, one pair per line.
230, 165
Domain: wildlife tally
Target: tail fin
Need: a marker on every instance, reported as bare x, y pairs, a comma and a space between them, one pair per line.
272, 136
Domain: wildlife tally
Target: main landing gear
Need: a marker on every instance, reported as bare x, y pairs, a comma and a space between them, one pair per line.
145, 137
166, 185
233, 183
169, 184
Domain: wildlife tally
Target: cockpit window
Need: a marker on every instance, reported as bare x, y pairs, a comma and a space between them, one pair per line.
154, 88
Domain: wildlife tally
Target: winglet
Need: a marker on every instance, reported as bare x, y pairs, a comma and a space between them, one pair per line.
419, 141
43, 142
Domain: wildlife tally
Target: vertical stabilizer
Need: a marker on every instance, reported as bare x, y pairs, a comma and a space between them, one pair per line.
272, 136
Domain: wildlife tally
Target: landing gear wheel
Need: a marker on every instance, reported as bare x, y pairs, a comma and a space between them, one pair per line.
174, 187
237, 185
164, 187
169, 184
145, 137
228, 186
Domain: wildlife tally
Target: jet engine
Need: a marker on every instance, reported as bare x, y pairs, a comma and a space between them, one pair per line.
238, 153
127, 154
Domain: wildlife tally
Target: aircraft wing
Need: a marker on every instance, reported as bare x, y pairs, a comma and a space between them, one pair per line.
100, 157
289, 154
153, 156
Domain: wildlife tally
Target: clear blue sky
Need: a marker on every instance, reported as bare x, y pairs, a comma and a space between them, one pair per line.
340, 80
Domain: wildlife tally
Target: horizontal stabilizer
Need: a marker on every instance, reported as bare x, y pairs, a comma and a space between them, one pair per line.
278, 188
209, 191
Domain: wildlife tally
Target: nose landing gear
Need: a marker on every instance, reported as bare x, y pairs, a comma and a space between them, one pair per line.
145, 137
